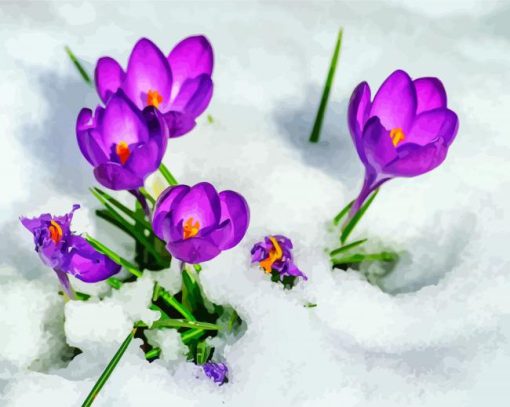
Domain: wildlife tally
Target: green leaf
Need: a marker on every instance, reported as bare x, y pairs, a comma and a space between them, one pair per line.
181, 323
147, 196
96, 244
191, 335
167, 175
347, 247
114, 283
180, 308
153, 353
108, 370
359, 258
78, 66
357, 217
342, 213
203, 352
316, 131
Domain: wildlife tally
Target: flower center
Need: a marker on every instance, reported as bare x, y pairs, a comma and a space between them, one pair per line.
154, 98
275, 254
397, 135
55, 231
190, 228
122, 151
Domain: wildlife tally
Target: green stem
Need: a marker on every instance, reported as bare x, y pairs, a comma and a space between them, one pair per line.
167, 175
108, 370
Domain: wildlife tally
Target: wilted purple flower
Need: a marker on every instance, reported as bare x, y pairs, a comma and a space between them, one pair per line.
216, 371
123, 144
179, 85
197, 223
66, 252
404, 132
274, 253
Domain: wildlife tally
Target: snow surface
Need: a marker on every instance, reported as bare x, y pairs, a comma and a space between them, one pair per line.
437, 335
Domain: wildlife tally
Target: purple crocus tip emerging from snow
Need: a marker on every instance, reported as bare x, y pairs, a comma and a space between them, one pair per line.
216, 371
179, 84
68, 253
274, 253
198, 223
121, 142
404, 131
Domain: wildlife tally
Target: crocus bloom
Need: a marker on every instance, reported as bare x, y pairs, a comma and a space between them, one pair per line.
198, 223
179, 85
404, 132
216, 371
68, 253
123, 144
274, 253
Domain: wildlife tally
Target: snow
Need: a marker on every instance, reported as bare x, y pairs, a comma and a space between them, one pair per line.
436, 335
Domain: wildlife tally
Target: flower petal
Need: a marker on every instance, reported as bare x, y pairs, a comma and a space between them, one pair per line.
87, 138
415, 160
193, 250
144, 159
190, 58
194, 96
108, 77
164, 205
359, 107
430, 94
395, 102
432, 124
377, 145
115, 176
179, 123
148, 69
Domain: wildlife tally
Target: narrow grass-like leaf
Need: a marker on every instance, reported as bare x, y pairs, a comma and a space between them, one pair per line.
167, 175
153, 353
342, 213
356, 218
147, 196
317, 126
203, 352
181, 323
114, 283
192, 335
359, 258
111, 218
114, 256
78, 66
108, 370
170, 300
347, 247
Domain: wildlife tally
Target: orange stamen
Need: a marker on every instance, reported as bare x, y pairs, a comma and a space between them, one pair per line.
122, 150
275, 254
154, 98
190, 229
55, 231
397, 136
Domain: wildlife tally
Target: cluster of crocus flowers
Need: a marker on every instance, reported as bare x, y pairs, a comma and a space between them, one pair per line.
66, 252
274, 256
198, 223
178, 85
217, 372
404, 131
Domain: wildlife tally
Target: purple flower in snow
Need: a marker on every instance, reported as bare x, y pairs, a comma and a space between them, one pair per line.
179, 85
66, 252
198, 223
216, 371
123, 144
404, 132
274, 254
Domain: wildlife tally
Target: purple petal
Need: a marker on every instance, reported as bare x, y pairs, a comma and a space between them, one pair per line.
190, 58
235, 210
148, 69
416, 160
201, 203
193, 250
432, 124
377, 145
87, 138
395, 102
108, 77
164, 205
359, 107
122, 121
179, 123
194, 96
430, 94
115, 176
144, 159
87, 264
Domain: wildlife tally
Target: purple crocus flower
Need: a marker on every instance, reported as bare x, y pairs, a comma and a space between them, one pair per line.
216, 371
66, 252
198, 223
274, 253
123, 144
404, 132
179, 85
